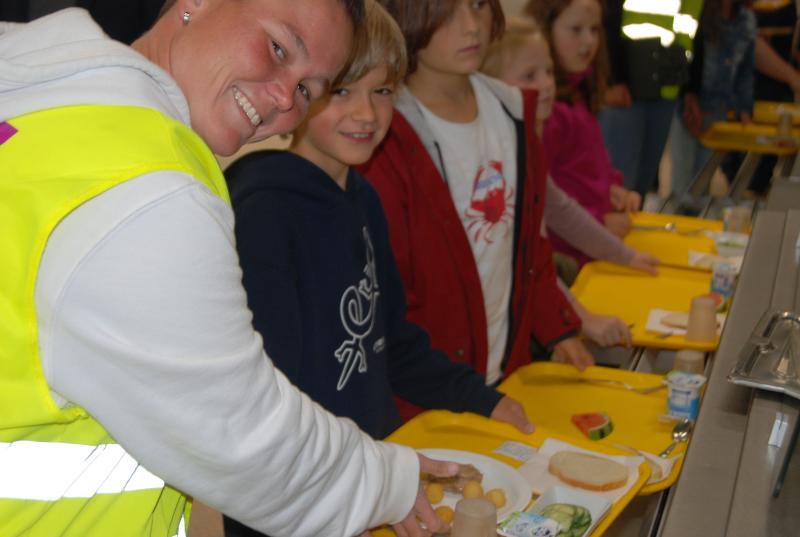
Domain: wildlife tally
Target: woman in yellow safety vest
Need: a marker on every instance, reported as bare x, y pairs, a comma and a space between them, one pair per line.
130, 375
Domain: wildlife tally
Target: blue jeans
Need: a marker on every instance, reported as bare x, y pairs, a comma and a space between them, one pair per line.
688, 155
635, 138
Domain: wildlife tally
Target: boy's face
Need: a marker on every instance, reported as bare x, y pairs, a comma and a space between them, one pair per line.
576, 35
458, 46
345, 128
531, 67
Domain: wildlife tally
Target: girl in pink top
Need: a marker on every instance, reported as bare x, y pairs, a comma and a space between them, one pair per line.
573, 142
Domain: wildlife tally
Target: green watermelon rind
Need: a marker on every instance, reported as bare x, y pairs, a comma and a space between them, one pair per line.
595, 432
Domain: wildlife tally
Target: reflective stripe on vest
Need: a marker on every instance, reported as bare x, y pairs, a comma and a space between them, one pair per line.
662, 7
61, 473
48, 471
662, 19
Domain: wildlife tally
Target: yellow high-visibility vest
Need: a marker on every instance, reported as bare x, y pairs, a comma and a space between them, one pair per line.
667, 20
61, 473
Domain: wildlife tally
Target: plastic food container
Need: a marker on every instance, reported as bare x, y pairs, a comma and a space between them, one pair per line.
683, 396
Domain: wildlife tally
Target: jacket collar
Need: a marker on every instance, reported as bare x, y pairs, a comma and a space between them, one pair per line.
407, 104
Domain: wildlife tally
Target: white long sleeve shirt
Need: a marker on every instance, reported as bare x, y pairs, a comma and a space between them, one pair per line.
143, 321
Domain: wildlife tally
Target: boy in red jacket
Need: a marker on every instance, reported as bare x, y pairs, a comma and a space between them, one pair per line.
462, 181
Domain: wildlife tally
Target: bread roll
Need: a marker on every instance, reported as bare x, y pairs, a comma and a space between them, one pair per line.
588, 471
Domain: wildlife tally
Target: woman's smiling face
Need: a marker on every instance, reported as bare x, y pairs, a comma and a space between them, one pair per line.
250, 68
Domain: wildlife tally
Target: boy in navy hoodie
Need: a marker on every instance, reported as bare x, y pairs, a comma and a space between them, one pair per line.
318, 268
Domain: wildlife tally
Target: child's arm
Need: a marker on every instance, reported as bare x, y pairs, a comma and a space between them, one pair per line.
771, 64
262, 241
570, 221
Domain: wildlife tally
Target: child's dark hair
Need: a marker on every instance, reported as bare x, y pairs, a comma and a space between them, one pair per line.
592, 89
419, 20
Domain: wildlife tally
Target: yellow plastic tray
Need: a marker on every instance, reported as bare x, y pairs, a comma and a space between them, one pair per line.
470, 432
551, 393
630, 295
734, 136
767, 112
670, 247
770, 5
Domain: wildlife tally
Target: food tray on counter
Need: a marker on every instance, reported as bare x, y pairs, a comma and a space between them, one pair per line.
758, 138
671, 247
770, 360
439, 429
607, 289
769, 111
637, 418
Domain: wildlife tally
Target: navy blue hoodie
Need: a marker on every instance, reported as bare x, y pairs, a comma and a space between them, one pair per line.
327, 298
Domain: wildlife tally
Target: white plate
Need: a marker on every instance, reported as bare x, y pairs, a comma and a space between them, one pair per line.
496, 474
596, 504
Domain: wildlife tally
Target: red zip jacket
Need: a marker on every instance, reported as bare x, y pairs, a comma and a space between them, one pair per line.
443, 288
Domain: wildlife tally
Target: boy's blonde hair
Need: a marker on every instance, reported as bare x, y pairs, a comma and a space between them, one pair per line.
378, 42
519, 31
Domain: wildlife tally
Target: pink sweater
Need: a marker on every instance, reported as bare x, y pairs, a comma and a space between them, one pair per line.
579, 164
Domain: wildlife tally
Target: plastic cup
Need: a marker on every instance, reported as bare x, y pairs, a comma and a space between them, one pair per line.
474, 517
785, 123
683, 394
702, 319
736, 219
689, 361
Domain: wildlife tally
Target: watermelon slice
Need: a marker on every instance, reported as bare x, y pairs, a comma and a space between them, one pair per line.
595, 425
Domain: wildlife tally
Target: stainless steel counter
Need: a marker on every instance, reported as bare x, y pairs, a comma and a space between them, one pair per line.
725, 488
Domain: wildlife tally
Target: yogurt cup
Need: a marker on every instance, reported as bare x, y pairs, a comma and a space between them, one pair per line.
683, 394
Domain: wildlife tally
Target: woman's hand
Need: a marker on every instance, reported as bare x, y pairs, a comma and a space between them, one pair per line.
511, 411
618, 96
618, 223
573, 351
606, 330
624, 200
645, 262
422, 520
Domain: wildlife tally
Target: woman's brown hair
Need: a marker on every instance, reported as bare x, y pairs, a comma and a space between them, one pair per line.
592, 89
419, 20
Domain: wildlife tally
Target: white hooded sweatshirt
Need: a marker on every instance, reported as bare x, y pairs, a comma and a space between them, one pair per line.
143, 321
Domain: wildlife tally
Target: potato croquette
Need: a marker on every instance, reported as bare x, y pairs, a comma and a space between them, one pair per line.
434, 492
445, 513
497, 497
473, 489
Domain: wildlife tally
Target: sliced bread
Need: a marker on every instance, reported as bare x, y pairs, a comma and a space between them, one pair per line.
588, 471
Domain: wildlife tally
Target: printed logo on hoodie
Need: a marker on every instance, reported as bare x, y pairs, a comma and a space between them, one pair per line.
357, 310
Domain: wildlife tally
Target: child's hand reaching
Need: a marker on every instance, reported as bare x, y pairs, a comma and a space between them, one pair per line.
624, 200
572, 351
606, 330
511, 411
645, 262
618, 223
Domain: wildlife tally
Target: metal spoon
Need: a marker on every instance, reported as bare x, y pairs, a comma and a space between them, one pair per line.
680, 433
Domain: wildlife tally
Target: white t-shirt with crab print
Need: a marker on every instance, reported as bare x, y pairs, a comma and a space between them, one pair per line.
480, 164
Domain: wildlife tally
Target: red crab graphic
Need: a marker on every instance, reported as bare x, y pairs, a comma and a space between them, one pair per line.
492, 203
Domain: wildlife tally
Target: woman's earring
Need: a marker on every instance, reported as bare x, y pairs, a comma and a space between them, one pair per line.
186, 17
